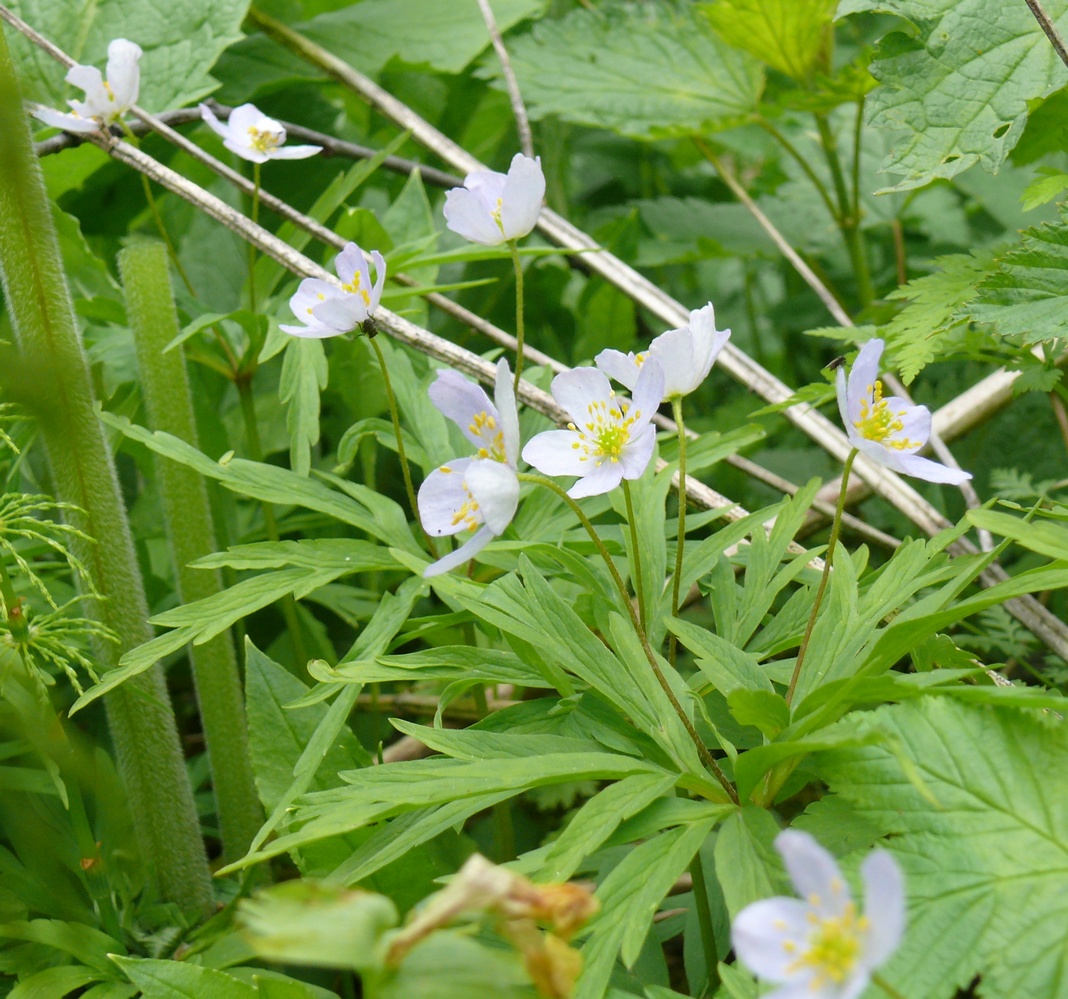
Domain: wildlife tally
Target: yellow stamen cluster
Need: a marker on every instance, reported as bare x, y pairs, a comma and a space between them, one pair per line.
496, 215
467, 513
353, 288
606, 433
111, 93
263, 141
878, 423
834, 945
484, 425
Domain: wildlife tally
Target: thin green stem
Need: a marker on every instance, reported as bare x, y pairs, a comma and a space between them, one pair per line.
858, 137
886, 986
636, 555
520, 327
406, 471
704, 921
702, 750
802, 161
676, 580
254, 215
827, 560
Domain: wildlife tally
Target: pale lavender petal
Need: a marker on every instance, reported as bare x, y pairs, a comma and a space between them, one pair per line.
814, 872
884, 906
495, 488
313, 331
674, 351
442, 494
348, 262
602, 478
380, 280
213, 123
843, 403
487, 186
68, 122
931, 471
343, 312
466, 215
124, 73
578, 388
521, 198
862, 377
461, 401
621, 367
915, 425
635, 456
507, 412
482, 537
310, 292
553, 453
770, 935
648, 390
293, 152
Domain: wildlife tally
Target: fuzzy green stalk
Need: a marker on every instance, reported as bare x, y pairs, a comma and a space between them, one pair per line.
676, 579
254, 215
636, 555
191, 534
702, 750
828, 558
50, 375
394, 415
520, 326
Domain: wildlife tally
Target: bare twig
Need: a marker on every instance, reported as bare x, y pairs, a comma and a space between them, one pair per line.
519, 111
1046, 24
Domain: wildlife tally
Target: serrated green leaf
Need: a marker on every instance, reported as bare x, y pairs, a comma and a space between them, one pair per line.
646, 71
985, 871
792, 36
960, 89
1048, 187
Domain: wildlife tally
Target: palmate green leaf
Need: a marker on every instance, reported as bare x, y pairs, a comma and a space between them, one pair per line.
959, 90
181, 42
986, 870
648, 71
792, 36
1025, 297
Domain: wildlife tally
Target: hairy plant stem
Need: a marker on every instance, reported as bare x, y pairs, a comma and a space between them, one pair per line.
191, 534
886, 986
848, 220
519, 319
254, 214
636, 555
702, 750
828, 558
394, 415
676, 579
51, 376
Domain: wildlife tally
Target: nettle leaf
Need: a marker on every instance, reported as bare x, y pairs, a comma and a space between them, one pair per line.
985, 870
792, 36
1025, 296
959, 88
645, 71
181, 42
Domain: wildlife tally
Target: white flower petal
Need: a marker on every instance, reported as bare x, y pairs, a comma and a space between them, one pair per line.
553, 453
495, 487
244, 117
620, 367
87, 78
462, 401
649, 388
244, 150
521, 198
310, 292
576, 390
842, 390
482, 537
638, 451
466, 215
769, 935
313, 331
884, 906
380, 280
442, 494
213, 123
487, 186
507, 412
862, 377
348, 262
915, 424
123, 72
343, 312
814, 872
293, 152
930, 471
602, 478
68, 122
674, 351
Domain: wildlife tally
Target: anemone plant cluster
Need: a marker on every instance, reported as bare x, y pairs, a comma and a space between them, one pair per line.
400, 598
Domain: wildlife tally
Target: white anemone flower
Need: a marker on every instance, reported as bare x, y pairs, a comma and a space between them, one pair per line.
686, 355
106, 100
493, 208
887, 429
609, 438
327, 310
254, 136
818, 946
480, 493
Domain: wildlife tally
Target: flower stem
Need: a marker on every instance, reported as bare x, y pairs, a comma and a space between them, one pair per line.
886, 986
406, 471
254, 215
827, 560
704, 921
702, 750
676, 579
519, 321
636, 555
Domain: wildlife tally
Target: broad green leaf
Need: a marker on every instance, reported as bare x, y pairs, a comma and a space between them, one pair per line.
54, 983
304, 376
647, 71
765, 709
1045, 537
181, 42
180, 980
308, 553
1025, 296
305, 922
959, 90
985, 870
747, 866
792, 36
84, 943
